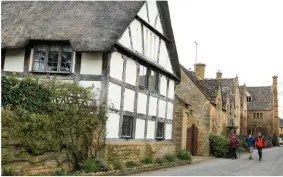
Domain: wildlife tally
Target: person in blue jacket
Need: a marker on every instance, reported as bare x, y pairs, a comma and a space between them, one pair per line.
250, 141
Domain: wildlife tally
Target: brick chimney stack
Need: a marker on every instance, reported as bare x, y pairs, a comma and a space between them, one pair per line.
275, 105
200, 70
219, 75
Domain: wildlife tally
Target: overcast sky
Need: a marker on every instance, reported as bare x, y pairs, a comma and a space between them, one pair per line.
238, 37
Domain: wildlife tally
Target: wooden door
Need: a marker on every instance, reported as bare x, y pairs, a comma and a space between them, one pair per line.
192, 134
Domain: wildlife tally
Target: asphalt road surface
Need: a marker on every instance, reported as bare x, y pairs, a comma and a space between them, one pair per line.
270, 165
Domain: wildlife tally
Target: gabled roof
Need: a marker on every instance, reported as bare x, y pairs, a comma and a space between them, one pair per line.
208, 87
281, 123
262, 98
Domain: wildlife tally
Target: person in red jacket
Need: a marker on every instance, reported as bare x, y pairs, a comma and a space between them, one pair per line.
234, 145
259, 144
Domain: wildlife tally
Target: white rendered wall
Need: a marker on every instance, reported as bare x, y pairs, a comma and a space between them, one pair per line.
131, 72
162, 108
116, 65
114, 96
163, 85
125, 40
171, 89
95, 84
143, 13
169, 111
168, 134
136, 34
152, 106
129, 97
142, 99
91, 63
164, 60
140, 124
112, 125
151, 42
14, 60
150, 129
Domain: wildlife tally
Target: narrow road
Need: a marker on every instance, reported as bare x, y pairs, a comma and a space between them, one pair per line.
271, 165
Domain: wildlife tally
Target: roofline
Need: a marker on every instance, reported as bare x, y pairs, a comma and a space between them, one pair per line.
259, 110
145, 60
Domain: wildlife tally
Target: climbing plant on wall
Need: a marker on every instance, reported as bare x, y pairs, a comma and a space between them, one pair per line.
51, 115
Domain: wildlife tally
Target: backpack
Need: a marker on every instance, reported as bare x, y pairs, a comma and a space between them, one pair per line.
234, 142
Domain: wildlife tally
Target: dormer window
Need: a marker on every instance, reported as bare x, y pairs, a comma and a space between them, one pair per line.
249, 99
52, 58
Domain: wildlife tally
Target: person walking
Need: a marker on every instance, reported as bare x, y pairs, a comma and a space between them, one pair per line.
234, 144
259, 144
250, 142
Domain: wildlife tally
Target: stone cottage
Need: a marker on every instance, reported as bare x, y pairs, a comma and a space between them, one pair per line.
205, 97
263, 109
231, 96
125, 49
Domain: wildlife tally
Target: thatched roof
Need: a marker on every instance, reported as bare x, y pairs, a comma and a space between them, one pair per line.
88, 25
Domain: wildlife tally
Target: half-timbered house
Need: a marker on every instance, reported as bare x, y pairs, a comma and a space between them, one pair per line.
125, 49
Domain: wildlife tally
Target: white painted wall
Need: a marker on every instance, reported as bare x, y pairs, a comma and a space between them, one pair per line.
150, 129
168, 134
112, 125
129, 99
95, 84
164, 60
143, 13
131, 72
116, 65
162, 108
163, 85
136, 33
152, 106
125, 39
151, 42
142, 99
140, 125
91, 63
14, 60
171, 89
114, 95
169, 111
153, 11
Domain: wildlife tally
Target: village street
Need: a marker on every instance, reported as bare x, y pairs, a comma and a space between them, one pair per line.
271, 165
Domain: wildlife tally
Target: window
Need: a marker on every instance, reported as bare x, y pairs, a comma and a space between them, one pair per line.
254, 115
257, 115
52, 58
127, 127
153, 81
249, 99
160, 130
143, 76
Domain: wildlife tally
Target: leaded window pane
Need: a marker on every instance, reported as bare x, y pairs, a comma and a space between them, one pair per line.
127, 127
39, 61
160, 130
66, 58
143, 76
153, 81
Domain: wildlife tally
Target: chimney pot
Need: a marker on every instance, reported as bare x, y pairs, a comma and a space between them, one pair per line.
219, 75
200, 70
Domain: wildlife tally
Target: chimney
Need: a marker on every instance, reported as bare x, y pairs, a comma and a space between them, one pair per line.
219, 75
200, 70
275, 105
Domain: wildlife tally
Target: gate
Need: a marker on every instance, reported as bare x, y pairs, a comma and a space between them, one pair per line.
192, 134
